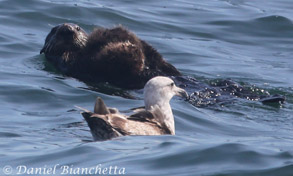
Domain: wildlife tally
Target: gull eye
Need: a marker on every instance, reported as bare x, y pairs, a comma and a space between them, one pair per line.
77, 28
172, 84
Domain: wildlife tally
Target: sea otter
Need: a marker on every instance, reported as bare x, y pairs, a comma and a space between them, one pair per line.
118, 56
113, 55
64, 46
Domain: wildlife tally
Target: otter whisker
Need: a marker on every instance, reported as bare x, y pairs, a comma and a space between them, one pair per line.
49, 48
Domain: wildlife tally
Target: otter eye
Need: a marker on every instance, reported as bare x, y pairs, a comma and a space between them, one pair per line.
77, 28
172, 84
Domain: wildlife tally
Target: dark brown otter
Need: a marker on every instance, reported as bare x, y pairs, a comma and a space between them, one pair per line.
64, 45
111, 55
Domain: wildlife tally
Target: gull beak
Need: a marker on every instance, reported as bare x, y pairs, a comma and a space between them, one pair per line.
182, 93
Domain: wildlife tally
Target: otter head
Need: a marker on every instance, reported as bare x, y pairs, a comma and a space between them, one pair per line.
64, 39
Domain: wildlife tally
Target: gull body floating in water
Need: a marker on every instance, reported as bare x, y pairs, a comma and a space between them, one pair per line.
155, 119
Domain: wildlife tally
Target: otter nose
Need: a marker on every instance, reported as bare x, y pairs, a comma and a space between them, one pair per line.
66, 29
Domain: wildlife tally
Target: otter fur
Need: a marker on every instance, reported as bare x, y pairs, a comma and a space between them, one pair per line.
113, 55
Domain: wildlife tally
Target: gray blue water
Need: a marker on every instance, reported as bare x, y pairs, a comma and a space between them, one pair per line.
249, 42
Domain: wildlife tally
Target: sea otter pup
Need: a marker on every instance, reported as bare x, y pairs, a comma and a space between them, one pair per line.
119, 57
111, 55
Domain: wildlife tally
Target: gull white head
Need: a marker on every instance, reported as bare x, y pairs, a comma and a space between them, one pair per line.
157, 93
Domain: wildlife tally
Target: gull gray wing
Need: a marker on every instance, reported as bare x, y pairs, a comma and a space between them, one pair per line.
152, 118
101, 121
100, 128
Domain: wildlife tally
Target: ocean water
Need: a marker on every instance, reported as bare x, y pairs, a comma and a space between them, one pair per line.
249, 42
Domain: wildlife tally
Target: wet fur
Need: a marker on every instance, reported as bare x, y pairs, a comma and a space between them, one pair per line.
113, 55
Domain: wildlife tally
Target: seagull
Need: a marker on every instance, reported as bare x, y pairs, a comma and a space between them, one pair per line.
156, 118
